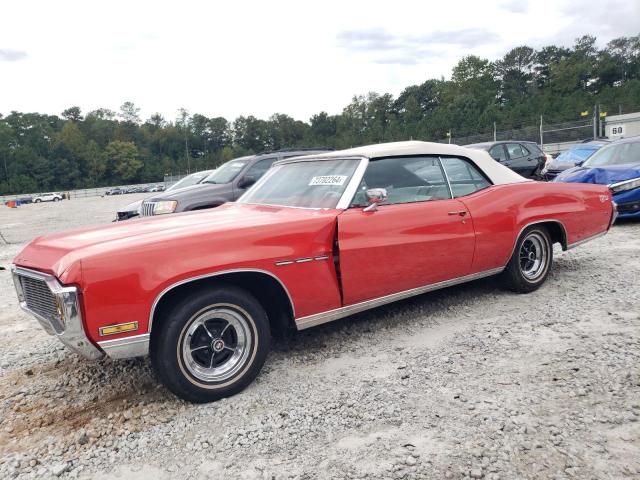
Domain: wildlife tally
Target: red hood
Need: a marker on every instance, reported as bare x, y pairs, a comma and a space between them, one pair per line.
60, 253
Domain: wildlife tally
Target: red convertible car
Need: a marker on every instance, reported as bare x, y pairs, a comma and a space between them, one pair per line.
316, 239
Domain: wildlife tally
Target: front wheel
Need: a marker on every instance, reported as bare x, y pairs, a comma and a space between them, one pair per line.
531, 260
211, 344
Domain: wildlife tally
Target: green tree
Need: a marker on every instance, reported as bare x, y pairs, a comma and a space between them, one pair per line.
129, 113
73, 114
122, 157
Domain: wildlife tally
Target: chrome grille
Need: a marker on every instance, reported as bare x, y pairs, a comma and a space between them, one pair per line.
147, 209
39, 298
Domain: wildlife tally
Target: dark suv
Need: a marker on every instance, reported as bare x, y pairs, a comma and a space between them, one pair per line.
226, 184
525, 158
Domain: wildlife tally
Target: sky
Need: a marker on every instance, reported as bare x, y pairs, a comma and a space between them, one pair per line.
231, 58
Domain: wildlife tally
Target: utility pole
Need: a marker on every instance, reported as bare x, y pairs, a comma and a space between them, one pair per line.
6, 171
494, 132
595, 122
186, 149
541, 133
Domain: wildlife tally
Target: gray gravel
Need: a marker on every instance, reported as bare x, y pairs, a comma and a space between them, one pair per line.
468, 382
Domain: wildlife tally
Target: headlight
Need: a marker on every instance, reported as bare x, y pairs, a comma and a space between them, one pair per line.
624, 186
165, 206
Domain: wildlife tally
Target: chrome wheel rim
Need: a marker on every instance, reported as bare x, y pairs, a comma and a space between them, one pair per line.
533, 256
216, 343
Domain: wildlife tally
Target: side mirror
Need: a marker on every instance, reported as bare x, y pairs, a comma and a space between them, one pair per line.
579, 163
374, 197
246, 182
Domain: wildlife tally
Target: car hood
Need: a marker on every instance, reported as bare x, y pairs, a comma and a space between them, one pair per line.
132, 207
561, 164
600, 175
62, 253
195, 190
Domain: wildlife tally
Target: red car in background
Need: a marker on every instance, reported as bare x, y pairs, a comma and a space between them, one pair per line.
317, 238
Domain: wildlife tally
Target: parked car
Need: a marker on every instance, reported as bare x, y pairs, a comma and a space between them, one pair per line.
133, 209
226, 184
47, 197
525, 158
617, 166
115, 191
573, 157
318, 238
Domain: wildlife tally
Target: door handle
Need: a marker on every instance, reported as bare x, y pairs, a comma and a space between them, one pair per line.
461, 213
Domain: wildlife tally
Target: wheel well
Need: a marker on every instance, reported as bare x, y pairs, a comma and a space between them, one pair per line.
267, 289
557, 232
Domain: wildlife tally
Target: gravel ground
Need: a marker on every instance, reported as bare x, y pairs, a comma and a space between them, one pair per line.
467, 382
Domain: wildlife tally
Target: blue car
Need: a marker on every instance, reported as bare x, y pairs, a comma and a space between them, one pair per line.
618, 166
574, 157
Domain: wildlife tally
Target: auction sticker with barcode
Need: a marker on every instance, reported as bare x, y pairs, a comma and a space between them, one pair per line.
328, 180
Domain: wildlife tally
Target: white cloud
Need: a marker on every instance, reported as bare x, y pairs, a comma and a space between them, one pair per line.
10, 55
231, 58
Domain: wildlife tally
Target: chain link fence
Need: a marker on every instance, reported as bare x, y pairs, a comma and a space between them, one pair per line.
82, 193
542, 134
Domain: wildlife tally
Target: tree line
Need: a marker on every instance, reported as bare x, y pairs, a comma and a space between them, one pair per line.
41, 152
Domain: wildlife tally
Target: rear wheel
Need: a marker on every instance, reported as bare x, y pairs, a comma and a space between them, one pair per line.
211, 344
55, 199
531, 261
38, 200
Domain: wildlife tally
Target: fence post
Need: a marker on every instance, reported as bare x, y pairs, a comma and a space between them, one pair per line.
494, 132
541, 134
595, 122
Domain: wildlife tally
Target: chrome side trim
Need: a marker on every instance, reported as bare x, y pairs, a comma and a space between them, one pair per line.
356, 178
585, 240
216, 274
324, 317
136, 346
71, 330
281, 263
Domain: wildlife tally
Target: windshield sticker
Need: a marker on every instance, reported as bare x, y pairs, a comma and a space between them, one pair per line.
328, 180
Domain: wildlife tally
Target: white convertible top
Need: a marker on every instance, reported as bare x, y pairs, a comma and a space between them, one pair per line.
497, 173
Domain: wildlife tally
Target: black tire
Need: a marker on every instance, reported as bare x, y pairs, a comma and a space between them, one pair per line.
55, 199
210, 327
37, 200
531, 260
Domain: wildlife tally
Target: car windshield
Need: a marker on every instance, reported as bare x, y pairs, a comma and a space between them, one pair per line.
308, 184
615, 154
576, 154
189, 180
227, 172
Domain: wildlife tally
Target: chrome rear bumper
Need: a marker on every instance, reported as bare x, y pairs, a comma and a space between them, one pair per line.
59, 313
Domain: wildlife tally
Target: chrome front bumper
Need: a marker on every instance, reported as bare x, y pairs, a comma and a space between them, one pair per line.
66, 323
